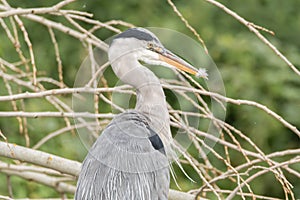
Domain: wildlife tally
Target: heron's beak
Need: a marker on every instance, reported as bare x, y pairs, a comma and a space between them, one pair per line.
170, 58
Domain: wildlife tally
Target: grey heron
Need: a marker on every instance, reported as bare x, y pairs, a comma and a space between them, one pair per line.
129, 160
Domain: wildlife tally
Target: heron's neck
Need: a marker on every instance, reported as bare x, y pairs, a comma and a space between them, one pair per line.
151, 102
150, 96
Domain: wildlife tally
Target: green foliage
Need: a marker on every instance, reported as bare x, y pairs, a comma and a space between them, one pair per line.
250, 70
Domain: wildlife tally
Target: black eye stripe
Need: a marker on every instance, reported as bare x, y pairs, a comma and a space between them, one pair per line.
138, 34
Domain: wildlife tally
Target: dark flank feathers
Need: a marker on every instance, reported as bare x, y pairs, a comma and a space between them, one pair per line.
156, 141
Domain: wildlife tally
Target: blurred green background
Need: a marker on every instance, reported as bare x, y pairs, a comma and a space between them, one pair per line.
250, 70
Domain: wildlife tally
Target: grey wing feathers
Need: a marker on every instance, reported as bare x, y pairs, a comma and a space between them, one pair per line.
123, 164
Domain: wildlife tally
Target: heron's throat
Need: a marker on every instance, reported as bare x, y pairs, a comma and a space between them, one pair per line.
151, 102
150, 96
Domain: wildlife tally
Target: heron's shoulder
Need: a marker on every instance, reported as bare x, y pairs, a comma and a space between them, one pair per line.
134, 128
130, 118
129, 144
132, 115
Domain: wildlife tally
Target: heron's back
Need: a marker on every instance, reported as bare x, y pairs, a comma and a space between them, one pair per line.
127, 162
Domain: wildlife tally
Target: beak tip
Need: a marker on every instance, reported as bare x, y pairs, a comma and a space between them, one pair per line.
202, 73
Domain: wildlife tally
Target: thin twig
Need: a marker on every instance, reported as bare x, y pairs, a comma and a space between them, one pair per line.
58, 59
239, 102
30, 95
55, 114
253, 28
186, 23
24, 11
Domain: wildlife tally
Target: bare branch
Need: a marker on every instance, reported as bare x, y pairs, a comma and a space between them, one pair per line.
44, 179
253, 28
24, 154
58, 60
57, 163
55, 114
289, 162
188, 25
22, 11
25, 83
239, 102
29, 95
67, 30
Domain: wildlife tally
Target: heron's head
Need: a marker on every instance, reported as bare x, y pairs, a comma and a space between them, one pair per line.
142, 45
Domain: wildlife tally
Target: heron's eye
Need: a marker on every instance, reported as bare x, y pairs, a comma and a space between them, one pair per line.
150, 46
154, 47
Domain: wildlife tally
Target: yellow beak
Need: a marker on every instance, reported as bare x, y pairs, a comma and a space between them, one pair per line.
172, 59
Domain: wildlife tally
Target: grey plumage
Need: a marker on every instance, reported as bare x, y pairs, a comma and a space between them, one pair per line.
123, 164
129, 161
